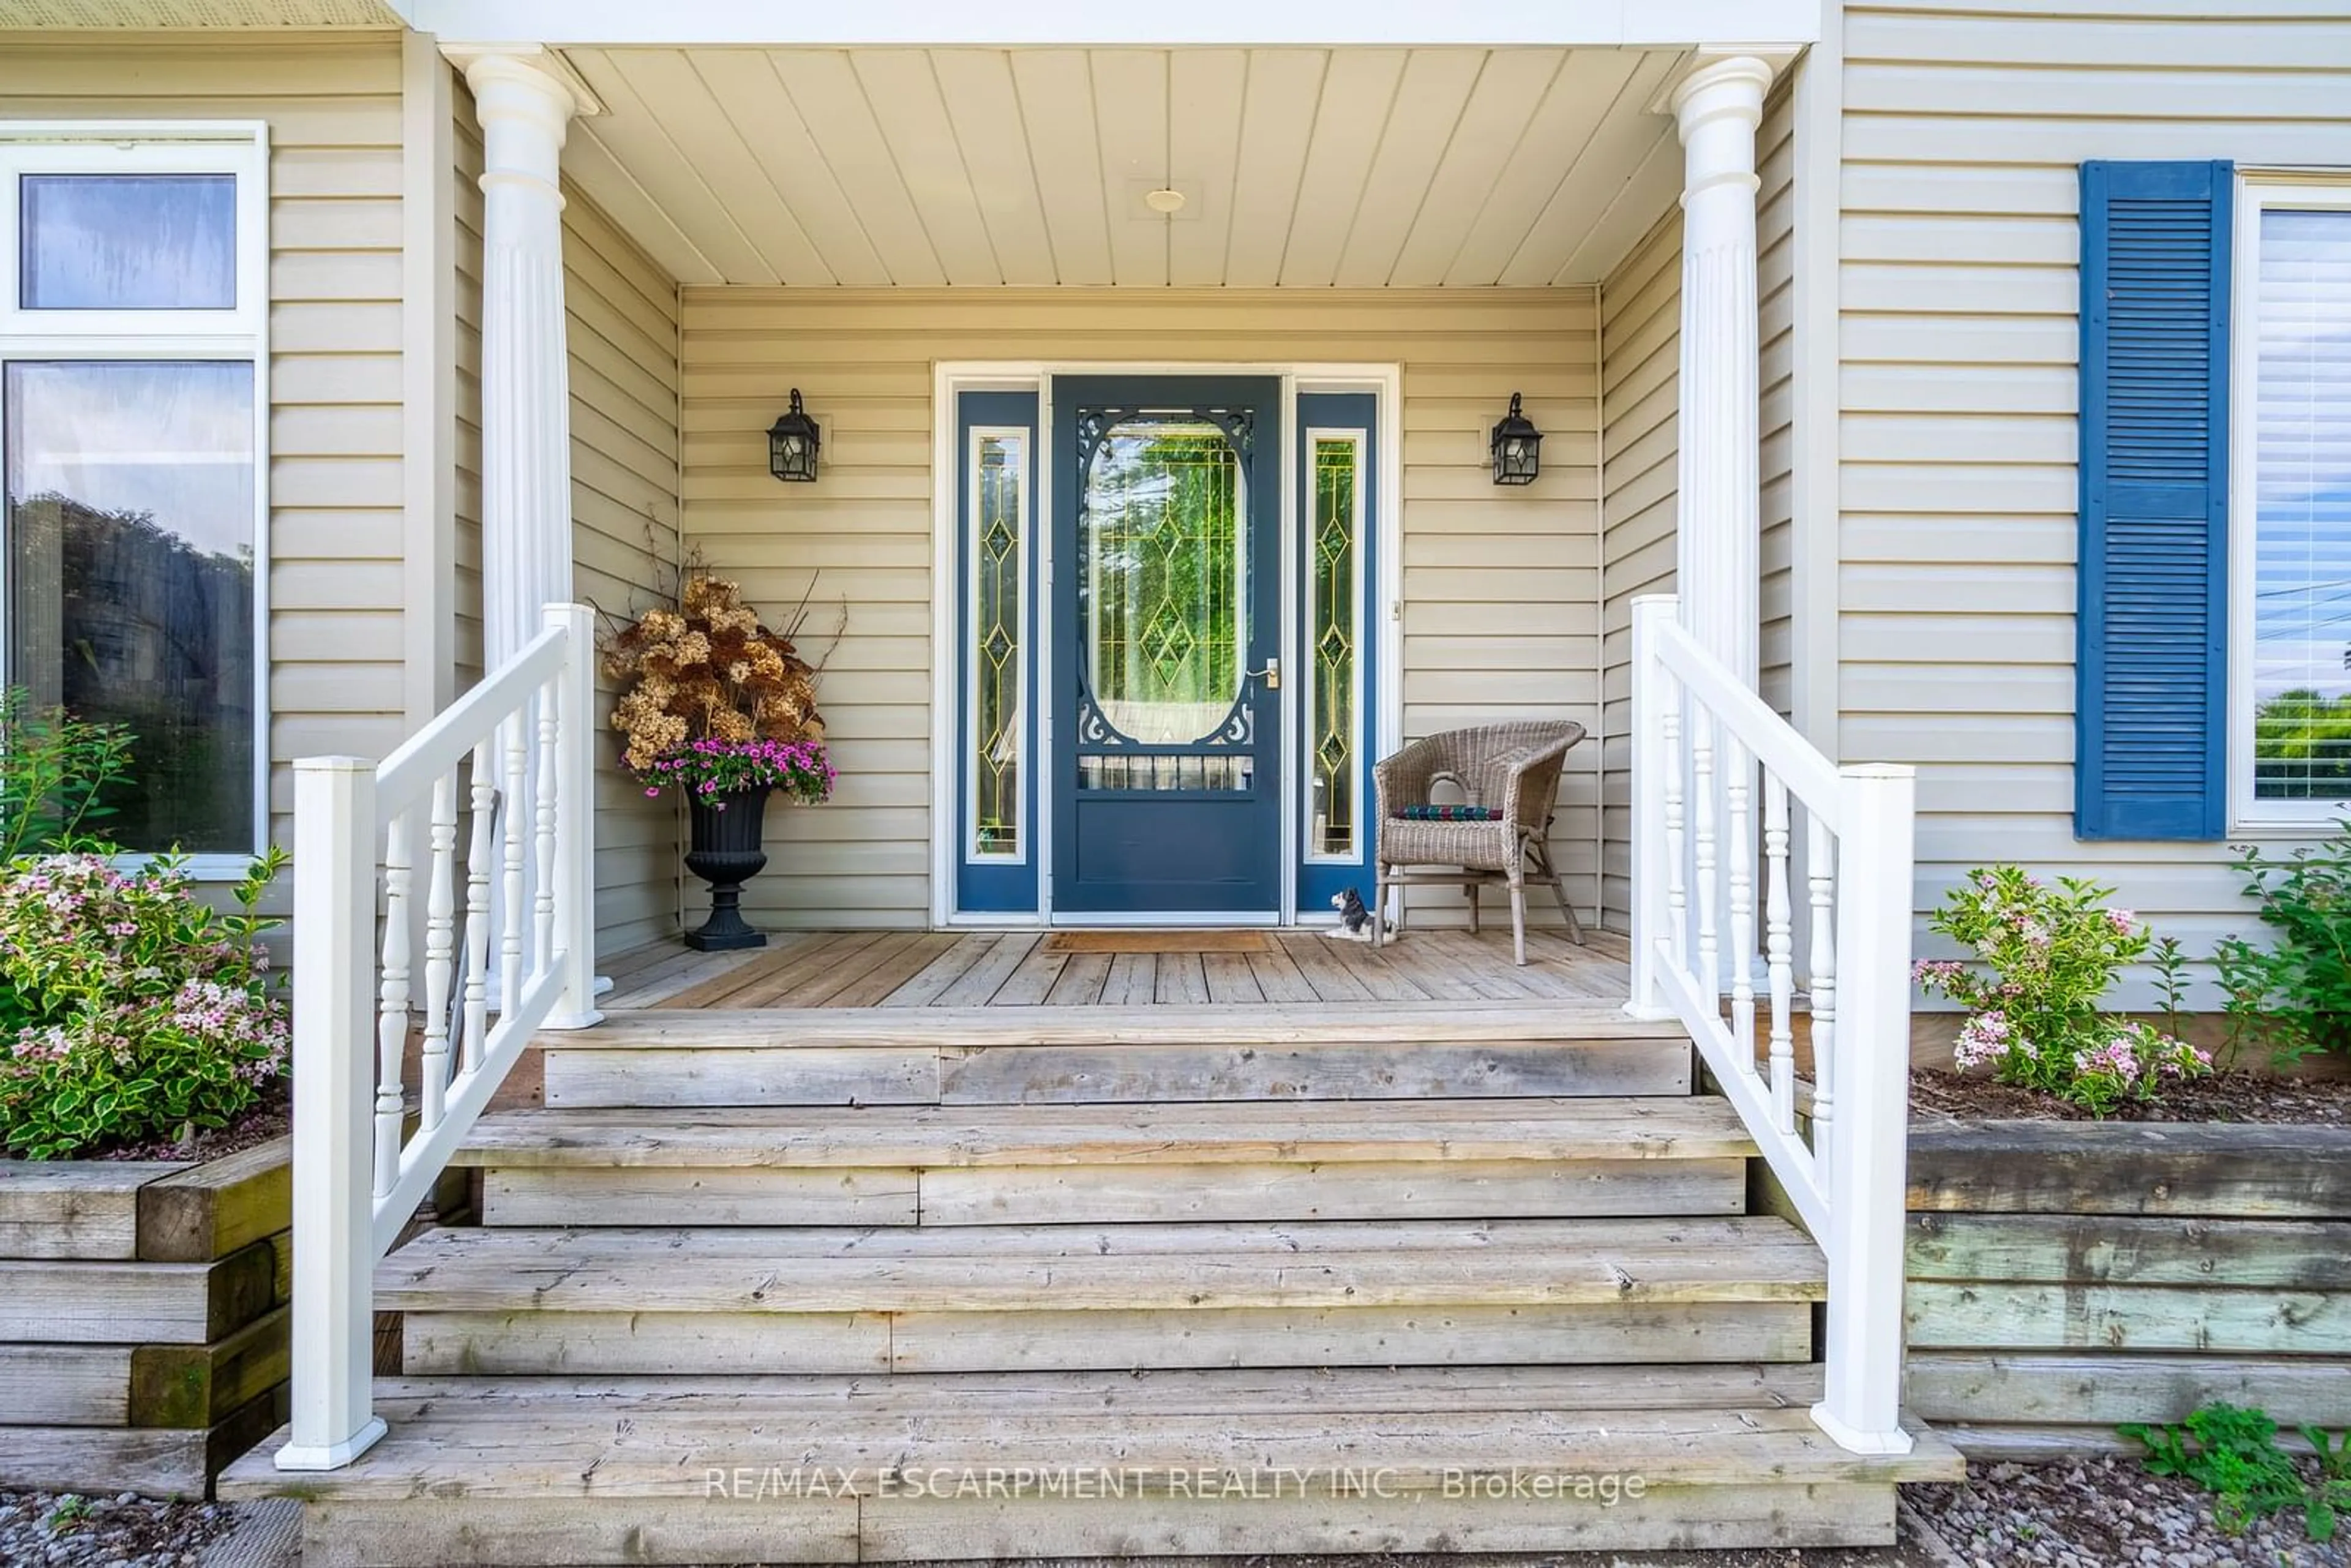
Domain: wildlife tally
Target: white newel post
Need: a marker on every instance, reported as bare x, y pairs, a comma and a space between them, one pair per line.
332, 1332
1866, 1179
1652, 919
1717, 109
575, 818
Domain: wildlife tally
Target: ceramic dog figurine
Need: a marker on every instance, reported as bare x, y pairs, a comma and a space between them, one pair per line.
1355, 918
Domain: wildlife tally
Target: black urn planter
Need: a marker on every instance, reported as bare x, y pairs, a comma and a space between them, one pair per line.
725, 852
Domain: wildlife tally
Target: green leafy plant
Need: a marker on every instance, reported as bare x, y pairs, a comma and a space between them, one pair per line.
69, 1513
2231, 1451
134, 1011
2295, 994
2044, 957
55, 773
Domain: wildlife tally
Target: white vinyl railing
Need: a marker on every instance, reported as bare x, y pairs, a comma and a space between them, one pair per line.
512, 764
1702, 936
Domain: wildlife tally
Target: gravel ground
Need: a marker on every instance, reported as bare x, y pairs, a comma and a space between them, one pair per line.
2103, 1513
43, 1530
2232, 1096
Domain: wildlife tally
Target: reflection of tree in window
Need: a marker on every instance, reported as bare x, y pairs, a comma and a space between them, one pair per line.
1167, 576
154, 635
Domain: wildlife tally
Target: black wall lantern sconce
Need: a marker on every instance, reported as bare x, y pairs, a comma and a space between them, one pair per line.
1516, 446
793, 439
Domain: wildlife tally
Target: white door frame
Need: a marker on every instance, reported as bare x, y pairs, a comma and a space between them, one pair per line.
949, 377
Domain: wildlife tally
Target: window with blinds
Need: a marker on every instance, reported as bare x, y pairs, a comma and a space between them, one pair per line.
2297, 420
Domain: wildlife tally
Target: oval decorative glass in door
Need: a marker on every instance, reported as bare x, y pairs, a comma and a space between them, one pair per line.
1164, 557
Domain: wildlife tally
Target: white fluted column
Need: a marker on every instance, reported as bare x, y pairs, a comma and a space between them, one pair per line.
1717, 109
525, 104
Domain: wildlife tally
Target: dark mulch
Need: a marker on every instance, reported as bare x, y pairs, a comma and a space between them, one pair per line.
271, 1116
2103, 1513
2230, 1096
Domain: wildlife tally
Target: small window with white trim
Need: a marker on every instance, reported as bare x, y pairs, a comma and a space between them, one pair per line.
133, 424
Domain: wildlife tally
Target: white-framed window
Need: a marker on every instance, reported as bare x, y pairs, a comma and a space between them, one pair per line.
134, 460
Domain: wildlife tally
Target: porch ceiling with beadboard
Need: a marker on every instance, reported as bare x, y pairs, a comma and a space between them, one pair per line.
1028, 167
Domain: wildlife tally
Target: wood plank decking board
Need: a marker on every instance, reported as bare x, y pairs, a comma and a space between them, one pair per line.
1561, 1130
903, 965
942, 971
1133, 980
978, 985
1425, 964
1033, 981
565, 1444
1182, 980
738, 1194
1353, 1190
841, 977
531, 1343
1081, 982
1182, 1268
1277, 978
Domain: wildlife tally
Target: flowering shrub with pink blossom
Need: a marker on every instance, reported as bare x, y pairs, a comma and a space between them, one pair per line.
800, 769
2042, 959
129, 1010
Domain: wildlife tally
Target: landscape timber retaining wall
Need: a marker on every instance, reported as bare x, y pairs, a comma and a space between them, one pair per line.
143, 1318
2066, 1277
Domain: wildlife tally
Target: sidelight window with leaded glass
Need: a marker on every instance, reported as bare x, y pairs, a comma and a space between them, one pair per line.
1335, 585
996, 655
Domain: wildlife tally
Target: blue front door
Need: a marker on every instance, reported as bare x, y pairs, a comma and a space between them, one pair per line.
1166, 627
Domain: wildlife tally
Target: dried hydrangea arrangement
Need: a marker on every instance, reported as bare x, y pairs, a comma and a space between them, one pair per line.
716, 700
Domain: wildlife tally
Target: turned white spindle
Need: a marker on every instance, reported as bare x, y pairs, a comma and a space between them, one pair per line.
484, 798
391, 1005
1820, 875
1737, 770
543, 832
1779, 951
440, 947
1709, 945
1669, 730
516, 731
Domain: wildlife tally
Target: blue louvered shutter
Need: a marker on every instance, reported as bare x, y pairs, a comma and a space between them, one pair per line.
2152, 699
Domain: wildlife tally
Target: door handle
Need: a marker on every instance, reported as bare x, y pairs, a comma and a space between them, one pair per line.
1270, 675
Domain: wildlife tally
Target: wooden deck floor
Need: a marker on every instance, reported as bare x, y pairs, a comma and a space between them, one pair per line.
1087, 969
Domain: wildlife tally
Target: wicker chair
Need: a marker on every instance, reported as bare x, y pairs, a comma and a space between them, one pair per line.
1513, 767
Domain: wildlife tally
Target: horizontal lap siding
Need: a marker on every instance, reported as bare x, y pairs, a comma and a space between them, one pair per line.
335, 419
623, 322
1640, 376
1775, 288
1501, 587
1958, 300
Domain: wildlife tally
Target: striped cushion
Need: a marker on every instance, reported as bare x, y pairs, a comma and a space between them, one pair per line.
1451, 813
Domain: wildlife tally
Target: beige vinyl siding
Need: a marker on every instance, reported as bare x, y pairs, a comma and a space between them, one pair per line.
466, 200
622, 311
336, 485
1500, 586
1775, 292
1640, 337
1958, 303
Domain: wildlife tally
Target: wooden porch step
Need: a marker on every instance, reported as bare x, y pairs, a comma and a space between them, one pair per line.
805, 1470
1015, 1297
1112, 1164
1033, 1055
